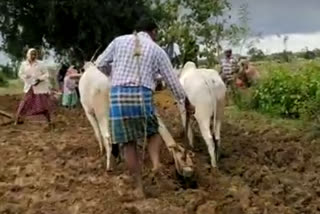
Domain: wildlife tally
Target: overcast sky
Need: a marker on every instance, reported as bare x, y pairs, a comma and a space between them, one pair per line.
300, 20
283, 16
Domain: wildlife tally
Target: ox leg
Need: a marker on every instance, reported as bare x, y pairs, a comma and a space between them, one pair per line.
190, 135
217, 141
217, 127
96, 129
189, 131
104, 128
204, 126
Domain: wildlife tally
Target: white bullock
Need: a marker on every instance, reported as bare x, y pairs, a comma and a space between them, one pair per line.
206, 91
94, 89
94, 96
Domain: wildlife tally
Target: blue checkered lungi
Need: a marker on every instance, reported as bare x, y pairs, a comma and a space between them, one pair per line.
127, 116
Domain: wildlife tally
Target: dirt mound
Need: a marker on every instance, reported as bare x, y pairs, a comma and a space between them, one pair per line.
60, 171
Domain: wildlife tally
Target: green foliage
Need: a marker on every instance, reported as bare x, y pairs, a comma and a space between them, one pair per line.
256, 54
8, 71
288, 93
74, 29
208, 22
242, 98
3, 80
191, 22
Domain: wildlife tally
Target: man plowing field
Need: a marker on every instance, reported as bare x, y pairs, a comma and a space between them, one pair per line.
136, 59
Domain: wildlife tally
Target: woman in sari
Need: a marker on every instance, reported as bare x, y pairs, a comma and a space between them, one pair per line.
70, 96
37, 99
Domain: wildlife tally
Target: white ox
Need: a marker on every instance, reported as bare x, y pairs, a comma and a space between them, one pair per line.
94, 96
94, 89
206, 91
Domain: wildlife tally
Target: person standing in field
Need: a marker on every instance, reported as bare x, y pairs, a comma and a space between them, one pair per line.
37, 99
70, 97
136, 60
228, 68
227, 73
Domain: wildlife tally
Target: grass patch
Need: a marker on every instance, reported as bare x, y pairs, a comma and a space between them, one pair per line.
253, 120
14, 87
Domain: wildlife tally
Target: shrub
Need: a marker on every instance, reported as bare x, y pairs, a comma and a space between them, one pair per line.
9, 71
3, 80
289, 93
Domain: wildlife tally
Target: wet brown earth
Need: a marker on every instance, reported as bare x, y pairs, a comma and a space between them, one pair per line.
263, 170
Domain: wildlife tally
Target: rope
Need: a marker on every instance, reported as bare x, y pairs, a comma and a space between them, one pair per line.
137, 54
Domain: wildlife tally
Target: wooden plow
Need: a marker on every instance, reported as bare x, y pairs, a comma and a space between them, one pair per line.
6, 118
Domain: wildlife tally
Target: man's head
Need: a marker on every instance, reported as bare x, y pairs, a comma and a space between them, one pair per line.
228, 53
147, 24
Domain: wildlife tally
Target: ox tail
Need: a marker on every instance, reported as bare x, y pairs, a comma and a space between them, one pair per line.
99, 130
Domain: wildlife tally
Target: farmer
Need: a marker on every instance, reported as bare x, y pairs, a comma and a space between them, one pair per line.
136, 59
228, 68
227, 73
37, 99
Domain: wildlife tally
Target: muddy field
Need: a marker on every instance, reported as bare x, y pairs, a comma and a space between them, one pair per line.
263, 170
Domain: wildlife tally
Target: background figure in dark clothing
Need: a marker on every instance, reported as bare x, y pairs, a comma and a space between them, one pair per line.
61, 74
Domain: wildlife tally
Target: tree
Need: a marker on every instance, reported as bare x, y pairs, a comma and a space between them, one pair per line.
256, 54
174, 27
74, 29
242, 35
206, 19
189, 21
285, 55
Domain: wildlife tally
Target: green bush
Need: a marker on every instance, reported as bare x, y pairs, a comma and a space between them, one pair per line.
3, 80
287, 93
9, 71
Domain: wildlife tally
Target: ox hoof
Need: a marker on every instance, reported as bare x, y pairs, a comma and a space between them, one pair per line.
214, 165
187, 172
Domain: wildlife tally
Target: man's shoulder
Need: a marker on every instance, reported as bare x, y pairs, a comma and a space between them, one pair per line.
121, 37
159, 51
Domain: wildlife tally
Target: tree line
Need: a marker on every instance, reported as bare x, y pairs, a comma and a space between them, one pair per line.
74, 29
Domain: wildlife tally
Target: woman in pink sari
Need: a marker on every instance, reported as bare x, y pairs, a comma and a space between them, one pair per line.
37, 99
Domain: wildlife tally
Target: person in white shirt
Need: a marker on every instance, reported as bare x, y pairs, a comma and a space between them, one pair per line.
173, 51
37, 99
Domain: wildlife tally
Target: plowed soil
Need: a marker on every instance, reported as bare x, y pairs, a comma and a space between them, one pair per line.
263, 170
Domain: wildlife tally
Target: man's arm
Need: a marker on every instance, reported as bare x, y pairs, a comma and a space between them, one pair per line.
166, 71
104, 61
